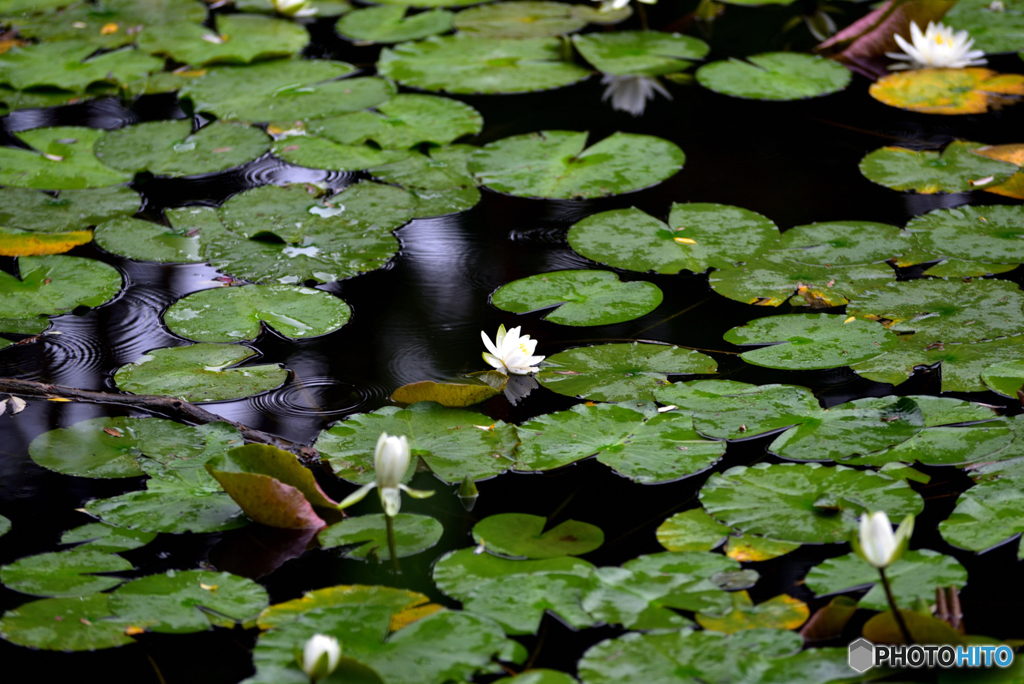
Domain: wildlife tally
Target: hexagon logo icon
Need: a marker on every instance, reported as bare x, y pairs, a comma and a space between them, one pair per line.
862, 655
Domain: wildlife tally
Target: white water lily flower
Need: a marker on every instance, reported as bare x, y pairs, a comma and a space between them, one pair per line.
612, 5
320, 656
511, 352
294, 8
390, 461
937, 47
631, 93
877, 544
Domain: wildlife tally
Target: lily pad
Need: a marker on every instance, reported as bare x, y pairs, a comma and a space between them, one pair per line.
239, 39
288, 90
538, 676
750, 549
986, 515
66, 65
973, 90
804, 502
64, 573
402, 122
5, 525
697, 237
53, 285
389, 24
772, 279
469, 64
83, 623
555, 165
692, 530
520, 19
523, 535
454, 444
844, 243
170, 148
67, 211
320, 153
113, 447
14, 242
724, 409
955, 170
619, 372
1005, 378
775, 76
913, 577
229, 314
367, 534
438, 180
986, 233
640, 53
456, 393
779, 612
101, 537
147, 241
810, 341
201, 372
179, 602
646, 449
462, 571
285, 234
579, 297
61, 158
947, 446
995, 28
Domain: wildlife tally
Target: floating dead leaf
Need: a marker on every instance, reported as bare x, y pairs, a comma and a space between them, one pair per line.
948, 91
113, 432
109, 28
1013, 187
1013, 154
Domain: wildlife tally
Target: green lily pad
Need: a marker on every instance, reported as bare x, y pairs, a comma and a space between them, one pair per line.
5, 525
239, 39
101, 537
947, 446
64, 65
640, 53
957, 169
438, 180
469, 64
320, 153
113, 447
988, 233
750, 549
772, 279
692, 530
946, 311
229, 314
555, 165
804, 502
461, 572
147, 241
455, 393
368, 534
64, 573
389, 24
285, 234
61, 158
697, 237
378, 600
779, 612
170, 148
913, 577
83, 623
454, 444
775, 76
1005, 378
538, 676
986, 515
844, 243
53, 285
324, 8
201, 372
646, 449
619, 372
994, 30
579, 297
809, 341
402, 122
68, 211
179, 602
288, 90
520, 19
523, 535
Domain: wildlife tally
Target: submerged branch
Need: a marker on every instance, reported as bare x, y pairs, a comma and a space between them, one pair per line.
167, 406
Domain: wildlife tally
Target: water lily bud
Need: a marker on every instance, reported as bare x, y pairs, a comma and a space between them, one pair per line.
877, 544
468, 493
293, 8
320, 656
391, 460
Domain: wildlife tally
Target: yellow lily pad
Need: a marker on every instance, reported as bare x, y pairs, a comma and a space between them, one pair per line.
1012, 187
456, 393
948, 91
780, 612
14, 242
749, 549
1013, 153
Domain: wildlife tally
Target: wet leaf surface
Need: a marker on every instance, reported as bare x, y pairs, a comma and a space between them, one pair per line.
367, 535
523, 535
973, 90
957, 169
61, 158
774, 76
64, 573
640, 53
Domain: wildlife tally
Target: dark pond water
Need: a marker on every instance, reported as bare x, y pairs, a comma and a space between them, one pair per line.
420, 318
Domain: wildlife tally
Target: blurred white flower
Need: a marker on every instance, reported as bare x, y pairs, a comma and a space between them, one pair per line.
631, 93
937, 47
612, 5
294, 8
877, 544
511, 352
390, 461
320, 656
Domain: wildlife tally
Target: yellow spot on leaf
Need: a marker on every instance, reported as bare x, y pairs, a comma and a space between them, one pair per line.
486, 428
685, 241
849, 320
6, 45
36, 244
109, 28
57, 399
752, 549
780, 612
132, 631
411, 615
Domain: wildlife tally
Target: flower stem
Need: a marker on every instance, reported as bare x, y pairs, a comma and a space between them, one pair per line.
391, 542
907, 638
642, 13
